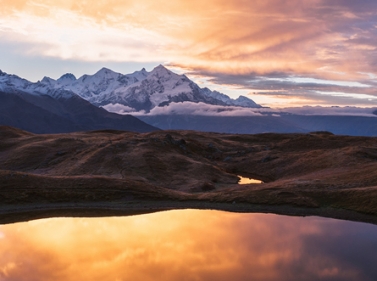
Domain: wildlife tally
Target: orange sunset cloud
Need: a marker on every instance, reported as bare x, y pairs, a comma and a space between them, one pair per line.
227, 42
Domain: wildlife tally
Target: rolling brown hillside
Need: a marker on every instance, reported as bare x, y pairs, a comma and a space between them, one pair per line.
318, 172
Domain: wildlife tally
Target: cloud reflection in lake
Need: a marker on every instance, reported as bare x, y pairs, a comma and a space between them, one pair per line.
189, 245
244, 180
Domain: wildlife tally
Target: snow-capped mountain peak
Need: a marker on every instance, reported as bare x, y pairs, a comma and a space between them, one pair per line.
48, 80
163, 74
9, 82
244, 101
106, 72
161, 71
140, 90
15, 84
139, 75
66, 78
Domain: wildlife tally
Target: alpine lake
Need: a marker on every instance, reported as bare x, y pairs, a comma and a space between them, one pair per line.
188, 245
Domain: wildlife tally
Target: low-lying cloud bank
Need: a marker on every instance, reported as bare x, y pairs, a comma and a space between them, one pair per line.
188, 108
118, 108
202, 109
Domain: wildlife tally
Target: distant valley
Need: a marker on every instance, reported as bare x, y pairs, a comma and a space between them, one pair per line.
285, 123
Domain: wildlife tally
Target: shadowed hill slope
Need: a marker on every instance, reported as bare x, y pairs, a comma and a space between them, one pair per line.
44, 114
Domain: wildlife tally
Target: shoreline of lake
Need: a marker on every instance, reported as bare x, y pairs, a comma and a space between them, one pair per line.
27, 212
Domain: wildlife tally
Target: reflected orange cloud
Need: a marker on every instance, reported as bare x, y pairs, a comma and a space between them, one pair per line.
178, 245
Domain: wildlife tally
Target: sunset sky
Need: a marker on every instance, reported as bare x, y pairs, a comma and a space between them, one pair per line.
278, 52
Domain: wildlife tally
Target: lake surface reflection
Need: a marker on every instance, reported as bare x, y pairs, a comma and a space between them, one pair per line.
244, 180
189, 245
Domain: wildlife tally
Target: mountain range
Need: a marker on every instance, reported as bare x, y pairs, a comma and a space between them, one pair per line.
138, 91
160, 98
32, 107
